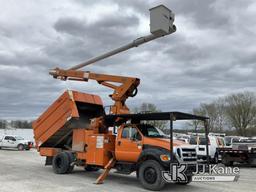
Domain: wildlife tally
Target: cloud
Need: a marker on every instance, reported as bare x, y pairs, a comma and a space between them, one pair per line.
211, 54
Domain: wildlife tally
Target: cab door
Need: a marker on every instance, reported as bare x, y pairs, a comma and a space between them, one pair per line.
128, 144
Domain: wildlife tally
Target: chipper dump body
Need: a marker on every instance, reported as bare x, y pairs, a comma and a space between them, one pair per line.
54, 128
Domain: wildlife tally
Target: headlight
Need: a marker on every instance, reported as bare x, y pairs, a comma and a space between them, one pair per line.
179, 152
165, 157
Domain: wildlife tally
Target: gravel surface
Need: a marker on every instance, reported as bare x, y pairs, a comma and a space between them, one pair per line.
25, 171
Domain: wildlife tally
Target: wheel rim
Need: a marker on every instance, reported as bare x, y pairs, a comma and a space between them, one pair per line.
150, 175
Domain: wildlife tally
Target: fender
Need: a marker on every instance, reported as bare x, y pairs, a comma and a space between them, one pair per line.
153, 152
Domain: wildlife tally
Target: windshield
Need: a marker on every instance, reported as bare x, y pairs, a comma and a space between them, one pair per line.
228, 140
193, 141
151, 131
19, 138
202, 141
197, 141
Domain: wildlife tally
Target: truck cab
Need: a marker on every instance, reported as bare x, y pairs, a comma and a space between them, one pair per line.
133, 139
144, 149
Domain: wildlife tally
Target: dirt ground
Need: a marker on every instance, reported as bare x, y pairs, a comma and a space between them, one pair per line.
24, 171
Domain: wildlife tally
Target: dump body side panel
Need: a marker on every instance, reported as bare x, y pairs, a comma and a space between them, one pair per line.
71, 110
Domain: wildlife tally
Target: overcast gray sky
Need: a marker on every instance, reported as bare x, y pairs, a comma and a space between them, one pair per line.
211, 54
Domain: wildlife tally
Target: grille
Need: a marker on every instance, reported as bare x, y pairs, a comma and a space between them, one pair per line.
187, 154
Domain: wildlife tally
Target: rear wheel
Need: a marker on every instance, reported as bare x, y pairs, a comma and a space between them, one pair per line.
61, 163
226, 161
150, 175
21, 147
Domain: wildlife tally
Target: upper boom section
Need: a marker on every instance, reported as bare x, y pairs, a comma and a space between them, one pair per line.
161, 24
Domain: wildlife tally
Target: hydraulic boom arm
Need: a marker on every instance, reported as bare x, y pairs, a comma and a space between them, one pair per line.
123, 87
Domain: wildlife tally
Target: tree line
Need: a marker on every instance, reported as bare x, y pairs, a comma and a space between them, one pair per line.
235, 112
23, 124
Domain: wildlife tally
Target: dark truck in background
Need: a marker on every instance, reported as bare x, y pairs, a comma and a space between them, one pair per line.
241, 151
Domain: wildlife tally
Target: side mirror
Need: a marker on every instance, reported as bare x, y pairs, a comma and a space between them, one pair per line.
13, 139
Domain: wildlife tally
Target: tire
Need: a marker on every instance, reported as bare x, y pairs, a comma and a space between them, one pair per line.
185, 183
150, 175
61, 163
215, 159
21, 147
227, 162
71, 157
90, 168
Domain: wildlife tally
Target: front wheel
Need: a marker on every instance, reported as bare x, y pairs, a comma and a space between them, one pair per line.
150, 175
21, 147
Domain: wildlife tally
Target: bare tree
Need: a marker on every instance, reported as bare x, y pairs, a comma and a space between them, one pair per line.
215, 111
3, 124
241, 111
150, 108
195, 124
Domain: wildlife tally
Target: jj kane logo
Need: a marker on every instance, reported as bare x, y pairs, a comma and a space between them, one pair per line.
200, 172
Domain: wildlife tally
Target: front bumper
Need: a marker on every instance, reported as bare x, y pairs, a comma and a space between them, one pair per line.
28, 146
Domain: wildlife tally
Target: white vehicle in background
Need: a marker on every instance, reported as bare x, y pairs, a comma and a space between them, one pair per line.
214, 142
183, 137
217, 134
14, 141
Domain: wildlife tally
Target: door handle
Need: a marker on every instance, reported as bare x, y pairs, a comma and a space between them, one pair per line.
119, 143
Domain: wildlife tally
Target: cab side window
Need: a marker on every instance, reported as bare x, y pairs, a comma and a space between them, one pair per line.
131, 133
9, 138
125, 133
135, 134
12, 139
